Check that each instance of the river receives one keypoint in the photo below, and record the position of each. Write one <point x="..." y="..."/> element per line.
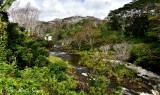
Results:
<point x="150" y="79"/>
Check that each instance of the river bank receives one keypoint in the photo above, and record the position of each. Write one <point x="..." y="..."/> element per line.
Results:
<point x="83" y="74"/>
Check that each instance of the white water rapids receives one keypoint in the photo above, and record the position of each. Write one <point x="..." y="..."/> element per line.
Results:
<point x="154" y="79"/>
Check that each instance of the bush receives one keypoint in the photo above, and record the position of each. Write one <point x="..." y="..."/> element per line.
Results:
<point x="23" y="50"/>
<point x="121" y="70"/>
<point x="38" y="80"/>
<point x="23" y="84"/>
<point x="57" y="68"/>
<point x="98" y="85"/>
<point x="122" y="51"/>
<point x="139" y="52"/>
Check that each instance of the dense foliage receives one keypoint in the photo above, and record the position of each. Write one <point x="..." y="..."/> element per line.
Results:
<point x="48" y="80"/>
<point x="3" y="26"/>
<point x="23" y="50"/>
<point x="25" y="66"/>
<point x="128" y="34"/>
<point x="138" y="21"/>
<point x="100" y="70"/>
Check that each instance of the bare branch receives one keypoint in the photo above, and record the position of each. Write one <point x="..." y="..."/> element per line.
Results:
<point x="122" y="51"/>
<point x="105" y="48"/>
<point x="26" y="17"/>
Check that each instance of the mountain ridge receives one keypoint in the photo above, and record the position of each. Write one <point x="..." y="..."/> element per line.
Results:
<point x="57" y="24"/>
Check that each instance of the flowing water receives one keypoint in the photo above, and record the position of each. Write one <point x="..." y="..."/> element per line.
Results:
<point x="152" y="79"/>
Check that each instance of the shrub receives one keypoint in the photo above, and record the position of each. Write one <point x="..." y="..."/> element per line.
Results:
<point x="121" y="70"/>
<point x="57" y="68"/>
<point x="122" y="51"/>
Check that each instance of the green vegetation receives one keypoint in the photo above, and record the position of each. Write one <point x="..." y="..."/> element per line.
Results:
<point x="140" y="28"/>
<point x="128" y="34"/>
<point x="101" y="72"/>
<point x="25" y="66"/>
<point x="136" y="25"/>
<point x="23" y="50"/>
<point x="97" y="64"/>
<point x="47" y="80"/>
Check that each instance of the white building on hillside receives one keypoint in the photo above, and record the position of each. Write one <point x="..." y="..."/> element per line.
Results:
<point x="48" y="37"/>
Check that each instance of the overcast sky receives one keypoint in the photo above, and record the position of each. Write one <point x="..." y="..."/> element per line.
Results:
<point x="51" y="9"/>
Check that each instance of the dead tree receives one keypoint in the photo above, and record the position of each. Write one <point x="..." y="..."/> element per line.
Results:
<point x="122" y="51"/>
<point x="26" y="17"/>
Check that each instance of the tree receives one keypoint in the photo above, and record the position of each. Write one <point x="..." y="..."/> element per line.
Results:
<point x="23" y="50"/>
<point x="138" y="27"/>
<point x="153" y="32"/>
<point x="79" y="38"/>
<point x="114" y="23"/>
<point x="3" y="25"/>
<point x="87" y="37"/>
<point x="132" y="18"/>
<point x="4" y="4"/>
<point x="26" y="17"/>
<point x="91" y="35"/>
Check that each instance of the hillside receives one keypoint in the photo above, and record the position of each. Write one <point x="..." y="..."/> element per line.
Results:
<point x="119" y="55"/>
<point x="65" y="23"/>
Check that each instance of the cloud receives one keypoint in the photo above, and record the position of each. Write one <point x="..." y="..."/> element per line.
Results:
<point x="51" y="9"/>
